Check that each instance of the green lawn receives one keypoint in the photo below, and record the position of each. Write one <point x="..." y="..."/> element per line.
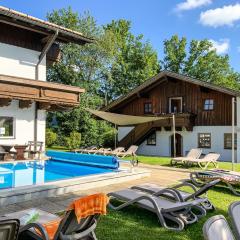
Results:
<point x="133" y="223"/>
<point x="165" y="161"/>
<point x="136" y="224"/>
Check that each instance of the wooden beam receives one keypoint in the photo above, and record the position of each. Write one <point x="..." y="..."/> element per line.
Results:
<point x="4" y="102"/>
<point x="25" y="104"/>
<point x="44" y="105"/>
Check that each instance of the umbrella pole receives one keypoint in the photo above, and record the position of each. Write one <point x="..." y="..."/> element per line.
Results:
<point x="174" y="136"/>
<point x="233" y="132"/>
<point x="115" y="140"/>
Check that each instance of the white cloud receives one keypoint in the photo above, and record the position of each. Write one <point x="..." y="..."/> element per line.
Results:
<point x="226" y="15"/>
<point x="221" y="46"/>
<point x="191" y="4"/>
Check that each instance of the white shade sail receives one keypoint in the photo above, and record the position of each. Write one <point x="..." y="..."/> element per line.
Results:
<point x="124" y="120"/>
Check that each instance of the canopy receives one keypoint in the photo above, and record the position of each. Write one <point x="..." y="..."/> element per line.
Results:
<point x="124" y="120"/>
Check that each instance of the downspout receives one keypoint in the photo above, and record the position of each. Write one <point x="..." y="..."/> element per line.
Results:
<point x="47" y="46"/>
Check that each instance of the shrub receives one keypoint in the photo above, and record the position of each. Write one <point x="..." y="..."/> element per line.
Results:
<point x="109" y="138"/>
<point x="74" y="140"/>
<point x="51" y="137"/>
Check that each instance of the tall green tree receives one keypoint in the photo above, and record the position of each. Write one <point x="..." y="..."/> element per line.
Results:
<point x="81" y="66"/>
<point x="133" y="62"/>
<point x="200" y="60"/>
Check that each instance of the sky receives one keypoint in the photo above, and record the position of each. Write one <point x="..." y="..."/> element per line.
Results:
<point x="158" y="20"/>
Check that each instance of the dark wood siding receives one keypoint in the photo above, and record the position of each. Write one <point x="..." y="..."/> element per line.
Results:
<point x="193" y="101"/>
<point x="27" y="39"/>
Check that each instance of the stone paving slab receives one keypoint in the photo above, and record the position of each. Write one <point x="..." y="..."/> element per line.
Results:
<point x="159" y="175"/>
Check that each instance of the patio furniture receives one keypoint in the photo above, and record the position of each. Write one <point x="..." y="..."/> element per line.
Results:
<point x="234" y="212"/>
<point x="79" y="221"/>
<point x="115" y="151"/>
<point x="217" y="228"/>
<point x="8" y="154"/>
<point x="210" y="158"/>
<point x="34" y="148"/>
<point x="130" y="152"/>
<point x="4" y="155"/>
<point x="185" y="196"/>
<point x="177" y="212"/>
<point x="230" y="178"/>
<point x="194" y="153"/>
<point x="20" y="149"/>
<point x="85" y="150"/>
<point x="9" y="228"/>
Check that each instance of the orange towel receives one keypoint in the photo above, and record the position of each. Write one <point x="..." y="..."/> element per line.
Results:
<point x="90" y="205"/>
<point x="83" y="207"/>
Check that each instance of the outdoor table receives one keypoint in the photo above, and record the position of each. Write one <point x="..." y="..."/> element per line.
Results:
<point x="19" y="150"/>
<point x="230" y="178"/>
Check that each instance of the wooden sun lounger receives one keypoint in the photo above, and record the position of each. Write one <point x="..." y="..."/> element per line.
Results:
<point x="130" y="152"/>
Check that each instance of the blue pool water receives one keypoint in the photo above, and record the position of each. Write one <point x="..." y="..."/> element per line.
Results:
<point x="38" y="172"/>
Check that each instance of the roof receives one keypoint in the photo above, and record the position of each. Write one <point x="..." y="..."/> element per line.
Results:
<point x="22" y="20"/>
<point x="181" y="77"/>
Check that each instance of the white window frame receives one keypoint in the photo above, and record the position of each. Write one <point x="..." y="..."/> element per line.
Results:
<point x="14" y="128"/>
<point x="170" y="103"/>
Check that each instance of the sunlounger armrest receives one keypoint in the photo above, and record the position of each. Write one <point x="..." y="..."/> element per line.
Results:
<point x="186" y="184"/>
<point x="37" y="226"/>
<point x="83" y="234"/>
<point x="177" y="196"/>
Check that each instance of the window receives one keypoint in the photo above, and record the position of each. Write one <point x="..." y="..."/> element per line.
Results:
<point x="6" y="127"/>
<point x="228" y="141"/>
<point x="204" y="140"/>
<point x="208" y="104"/>
<point x="152" y="139"/>
<point x="148" y="107"/>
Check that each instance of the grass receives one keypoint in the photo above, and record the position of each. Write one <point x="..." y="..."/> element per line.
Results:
<point x="136" y="224"/>
<point x="165" y="161"/>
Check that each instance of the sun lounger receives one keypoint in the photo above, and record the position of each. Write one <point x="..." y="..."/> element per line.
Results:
<point x="230" y="178"/>
<point x="85" y="150"/>
<point x="185" y="196"/>
<point x="78" y="223"/>
<point x="179" y="213"/>
<point x="193" y="154"/>
<point x="210" y="158"/>
<point x="130" y="152"/>
<point x="9" y="228"/>
<point x="234" y="212"/>
<point x="115" y="152"/>
<point x="217" y="228"/>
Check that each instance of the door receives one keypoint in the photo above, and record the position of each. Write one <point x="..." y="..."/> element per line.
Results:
<point x="175" y="105"/>
<point x="178" y="142"/>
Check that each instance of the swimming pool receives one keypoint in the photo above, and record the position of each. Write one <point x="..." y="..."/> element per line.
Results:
<point x="59" y="167"/>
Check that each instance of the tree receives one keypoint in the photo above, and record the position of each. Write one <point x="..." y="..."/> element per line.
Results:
<point x="133" y="62"/>
<point x="199" y="60"/>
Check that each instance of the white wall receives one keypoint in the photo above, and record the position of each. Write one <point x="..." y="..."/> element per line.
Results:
<point x="123" y="131"/>
<point x="20" y="62"/>
<point x="190" y="140"/>
<point x="24" y="124"/>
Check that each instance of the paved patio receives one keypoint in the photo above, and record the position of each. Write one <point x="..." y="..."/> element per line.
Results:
<point x="159" y="175"/>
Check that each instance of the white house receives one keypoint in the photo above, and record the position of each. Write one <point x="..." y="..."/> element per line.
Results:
<point x="27" y="47"/>
<point x="203" y="116"/>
